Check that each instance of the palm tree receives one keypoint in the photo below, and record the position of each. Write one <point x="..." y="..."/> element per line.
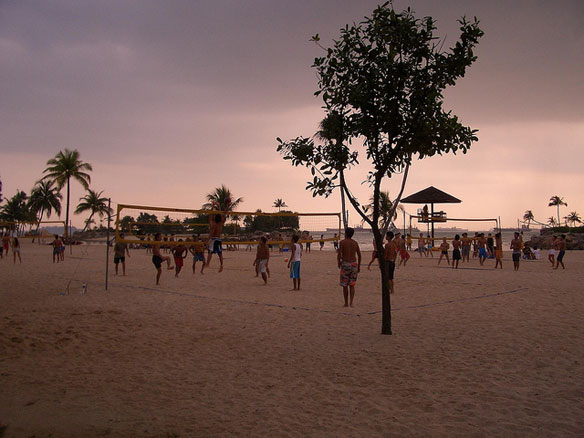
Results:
<point x="217" y="200"/>
<point x="279" y="204"/>
<point x="45" y="198"/>
<point x="16" y="210"/>
<point x="552" y="221"/>
<point x="573" y="218"/>
<point x="557" y="201"/>
<point x="64" y="166"/>
<point x="528" y="216"/>
<point x="385" y="209"/>
<point x="94" y="203"/>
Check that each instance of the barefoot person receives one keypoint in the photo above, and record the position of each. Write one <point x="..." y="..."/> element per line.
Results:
<point x="422" y="245"/>
<point x="157" y="259"/>
<point x="120" y="251"/>
<point x="552" y="251"/>
<point x="294" y="262"/>
<point x="498" y="251"/>
<point x="516" y="247"/>
<point x="6" y="243"/>
<point x="216" y="222"/>
<point x="456" y="256"/>
<point x="482" y="243"/>
<point x="198" y="252"/>
<point x="390" y="252"/>
<point x="56" y="244"/>
<point x="16" y="249"/>
<point x="179" y="253"/>
<point x="466" y="241"/>
<point x="444" y="246"/>
<point x="262" y="259"/>
<point x="562" y="247"/>
<point x="349" y="261"/>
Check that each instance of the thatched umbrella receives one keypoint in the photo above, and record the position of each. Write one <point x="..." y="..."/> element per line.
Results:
<point x="431" y="196"/>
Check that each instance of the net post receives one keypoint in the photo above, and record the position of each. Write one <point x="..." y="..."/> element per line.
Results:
<point x="109" y="219"/>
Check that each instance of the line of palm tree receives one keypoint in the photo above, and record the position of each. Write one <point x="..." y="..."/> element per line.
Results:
<point x="64" y="166"/>
<point x="94" y="203"/>
<point x="557" y="201"/>
<point x="44" y="198"/>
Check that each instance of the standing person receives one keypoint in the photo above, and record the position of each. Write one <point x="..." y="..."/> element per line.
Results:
<point x="498" y="251"/>
<point x="321" y="242"/>
<point x="308" y="239"/>
<point x="490" y="246"/>
<point x="157" y="259"/>
<point x="216" y="222"/>
<point x="562" y="248"/>
<point x="475" y="245"/>
<point x="552" y="251"/>
<point x="294" y="262"/>
<point x="429" y="250"/>
<point x="16" y="249"/>
<point x="466" y="241"/>
<point x="198" y="252"/>
<point x="444" y="246"/>
<point x="179" y="253"/>
<point x="373" y="255"/>
<point x="516" y="247"/>
<point x="404" y="255"/>
<point x="456" y="246"/>
<point x="482" y="242"/>
<point x="408" y="242"/>
<point x="390" y="252"/>
<point x="262" y="259"/>
<point x="62" y="248"/>
<point x="120" y="251"/>
<point x="349" y="262"/>
<point x="421" y="245"/>
<point x="56" y="244"/>
<point x="336" y="243"/>
<point x="6" y="243"/>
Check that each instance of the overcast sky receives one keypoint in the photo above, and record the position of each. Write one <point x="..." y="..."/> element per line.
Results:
<point x="169" y="99"/>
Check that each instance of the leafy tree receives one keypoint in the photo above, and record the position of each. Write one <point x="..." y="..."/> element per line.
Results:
<point x="552" y="221"/>
<point x="147" y="218"/>
<point x="279" y="204"/>
<point x="64" y="166"/>
<point x="16" y="210"/>
<point x="382" y="84"/>
<point x="125" y="223"/>
<point x="217" y="200"/>
<point x="574" y="218"/>
<point x="557" y="201"/>
<point x="387" y="212"/>
<point x="268" y="223"/>
<point x="44" y="197"/>
<point x="528" y="217"/>
<point x="94" y="203"/>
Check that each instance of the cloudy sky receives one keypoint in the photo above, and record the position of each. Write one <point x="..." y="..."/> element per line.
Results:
<point x="168" y="100"/>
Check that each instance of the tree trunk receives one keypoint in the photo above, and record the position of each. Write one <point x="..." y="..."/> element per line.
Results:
<point x="344" y="208"/>
<point x="385" y="298"/>
<point x="67" y="213"/>
<point x="87" y="223"/>
<point x="559" y="222"/>
<point x="39" y="224"/>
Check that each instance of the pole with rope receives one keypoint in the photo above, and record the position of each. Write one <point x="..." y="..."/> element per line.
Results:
<point x="109" y="218"/>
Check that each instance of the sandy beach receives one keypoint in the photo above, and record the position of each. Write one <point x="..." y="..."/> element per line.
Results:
<point x="475" y="352"/>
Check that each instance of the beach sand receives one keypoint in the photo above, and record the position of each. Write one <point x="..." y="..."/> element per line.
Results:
<point x="475" y="352"/>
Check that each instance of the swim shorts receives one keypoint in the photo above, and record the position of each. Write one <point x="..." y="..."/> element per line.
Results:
<point x="118" y="259"/>
<point x="199" y="257"/>
<point x="456" y="254"/>
<point x="157" y="260"/>
<point x="404" y="255"/>
<point x="390" y="264"/>
<point x="483" y="253"/>
<point x="295" y="270"/>
<point x="349" y="271"/>
<point x="215" y="246"/>
<point x="263" y="266"/>
<point x="516" y="255"/>
<point x="179" y="261"/>
<point x="552" y="252"/>
<point x="561" y="255"/>
<point x="465" y="250"/>
<point x="499" y="254"/>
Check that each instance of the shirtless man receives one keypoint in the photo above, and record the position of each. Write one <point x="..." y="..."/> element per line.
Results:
<point x="373" y="255"/>
<point x="444" y="246"/>
<point x="516" y="247"/>
<point x="198" y="252"/>
<point x="456" y="247"/>
<point x="466" y="241"/>
<point x="179" y="253"/>
<point x="349" y="262"/>
<point x="390" y="252"/>
<point x="216" y="222"/>
<point x="157" y="259"/>
<point x="56" y="244"/>
<point x="6" y="243"/>
<point x="498" y="251"/>
<point x="120" y="251"/>
<point x="422" y="245"/>
<point x="482" y="243"/>
<point x="262" y="259"/>
<point x="561" y="245"/>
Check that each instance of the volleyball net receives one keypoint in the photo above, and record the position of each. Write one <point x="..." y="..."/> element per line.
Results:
<point x="139" y="224"/>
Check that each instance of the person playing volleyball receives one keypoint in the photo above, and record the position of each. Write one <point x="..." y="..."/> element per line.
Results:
<point x="216" y="222"/>
<point x="157" y="259"/>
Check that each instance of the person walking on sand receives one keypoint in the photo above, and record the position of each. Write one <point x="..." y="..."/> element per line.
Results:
<point x="16" y="249"/>
<point x="262" y="259"/>
<point x="6" y="243"/>
<point x="294" y="262"/>
<point x="349" y="262"/>
<point x="157" y="259"/>
<point x="552" y="251"/>
<point x="498" y="251"/>
<point x="216" y="222"/>
<point x="390" y="252"/>
<point x="444" y="246"/>
<point x="456" y="246"/>
<point x="516" y="247"/>
<point x="404" y="255"/>
<point x="562" y="248"/>
<point x="429" y="247"/>
<point x="120" y="251"/>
